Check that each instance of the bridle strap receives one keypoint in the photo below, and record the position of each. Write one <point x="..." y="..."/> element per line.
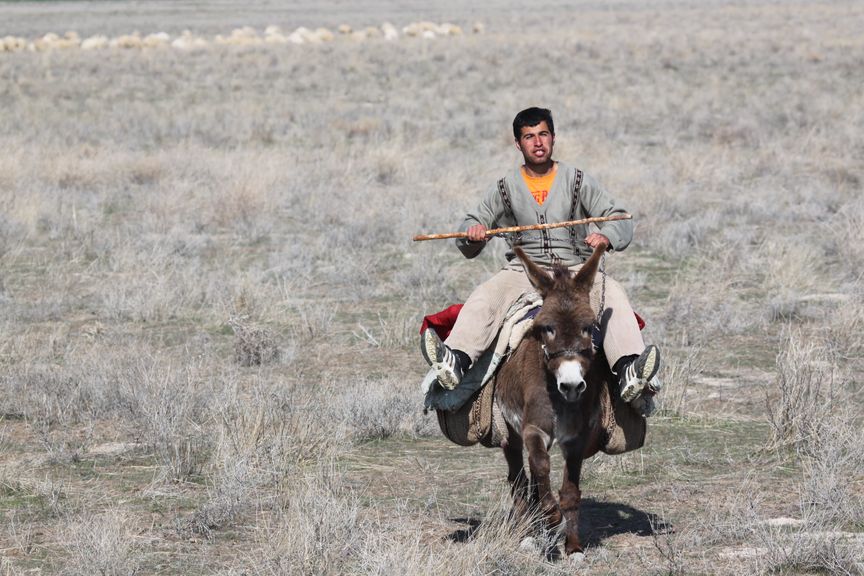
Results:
<point x="558" y="353"/>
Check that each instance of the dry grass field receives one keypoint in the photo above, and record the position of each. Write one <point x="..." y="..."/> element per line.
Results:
<point x="209" y="297"/>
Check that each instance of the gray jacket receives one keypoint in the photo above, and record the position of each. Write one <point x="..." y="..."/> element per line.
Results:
<point x="544" y="246"/>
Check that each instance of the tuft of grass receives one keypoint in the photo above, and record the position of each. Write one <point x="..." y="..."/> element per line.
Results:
<point x="805" y="393"/>
<point x="392" y="330"/>
<point x="172" y="406"/>
<point x="680" y="372"/>
<point x="316" y="529"/>
<point x="103" y="544"/>
<point x="375" y="409"/>
<point x="253" y="345"/>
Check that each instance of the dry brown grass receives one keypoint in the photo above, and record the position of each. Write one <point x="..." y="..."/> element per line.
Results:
<point x="209" y="297"/>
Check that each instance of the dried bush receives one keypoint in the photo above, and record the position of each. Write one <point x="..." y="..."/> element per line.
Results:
<point x="253" y="345"/>
<point x="832" y="465"/>
<point x="679" y="373"/>
<point x="173" y="406"/>
<point x="103" y="544"/>
<point x="392" y="330"/>
<point x="804" y="396"/>
<point x="315" y="530"/>
<point x="229" y="495"/>
<point x="373" y="409"/>
<point x="807" y="552"/>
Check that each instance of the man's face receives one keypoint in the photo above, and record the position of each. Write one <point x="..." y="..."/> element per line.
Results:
<point x="536" y="143"/>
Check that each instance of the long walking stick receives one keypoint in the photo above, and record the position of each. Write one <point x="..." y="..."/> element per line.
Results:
<point x="511" y="229"/>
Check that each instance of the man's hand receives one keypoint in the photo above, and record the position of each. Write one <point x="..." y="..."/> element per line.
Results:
<point x="595" y="240"/>
<point x="477" y="233"/>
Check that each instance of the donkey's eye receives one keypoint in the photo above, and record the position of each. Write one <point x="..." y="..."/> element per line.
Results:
<point x="547" y="330"/>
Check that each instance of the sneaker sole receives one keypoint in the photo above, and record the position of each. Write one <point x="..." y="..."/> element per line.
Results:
<point x="432" y="350"/>
<point x="446" y="377"/>
<point x="645" y="369"/>
<point x="651" y="364"/>
<point x="632" y="390"/>
<point x="430" y="347"/>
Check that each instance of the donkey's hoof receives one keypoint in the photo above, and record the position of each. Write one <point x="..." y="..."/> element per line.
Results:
<point x="576" y="558"/>
<point x="529" y="545"/>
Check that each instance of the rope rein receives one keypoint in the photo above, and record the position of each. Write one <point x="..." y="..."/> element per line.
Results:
<point x="602" y="290"/>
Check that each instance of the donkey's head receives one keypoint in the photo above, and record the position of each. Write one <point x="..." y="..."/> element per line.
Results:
<point x="565" y="324"/>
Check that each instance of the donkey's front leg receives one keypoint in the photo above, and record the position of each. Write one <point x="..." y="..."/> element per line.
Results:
<point x="516" y="473"/>
<point x="571" y="495"/>
<point x="536" y="441"/>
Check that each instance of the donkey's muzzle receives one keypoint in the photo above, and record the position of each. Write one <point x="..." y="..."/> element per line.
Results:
<point x="571" y="381"/>
<point x="571" y="391"/>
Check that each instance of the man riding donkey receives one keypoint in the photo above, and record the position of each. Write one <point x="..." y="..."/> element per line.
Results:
<point x="544" y="191"/>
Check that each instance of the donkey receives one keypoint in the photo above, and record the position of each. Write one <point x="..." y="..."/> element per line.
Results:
<point x="549" y="390"/>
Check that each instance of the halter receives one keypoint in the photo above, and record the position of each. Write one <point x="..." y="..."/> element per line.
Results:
<point x="602" y="291"/>
<point x="597" y="321"/>
<point x="558" y="353"/>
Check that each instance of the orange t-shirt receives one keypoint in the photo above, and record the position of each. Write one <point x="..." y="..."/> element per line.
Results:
<point x="539" y="186"/>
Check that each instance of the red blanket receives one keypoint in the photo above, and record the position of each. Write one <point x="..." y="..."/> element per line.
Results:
<point x="442" y="322"/>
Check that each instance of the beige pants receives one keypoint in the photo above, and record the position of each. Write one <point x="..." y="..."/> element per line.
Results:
<point x="483" y="314"/>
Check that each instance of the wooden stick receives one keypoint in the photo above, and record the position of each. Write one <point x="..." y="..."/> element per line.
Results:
<point x="512" y="229"/>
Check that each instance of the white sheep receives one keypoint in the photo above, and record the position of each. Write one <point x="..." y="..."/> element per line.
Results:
<point x="12" y="44"/>
<point x="390" y="32"/>
<point x="188" y="41"/>
<point x="448" y="29"/>
<point x="246" y="36"/>
<point x="69" y="40"/>
<point x="244" y="32"/>
<point x="97" y="42"/>
<point x="156" y="40"/>
<point x="412" y="30"/>
<point x="324" y="34"/>
<point x="43" y="43"/>
<point x="126" y="41"/>
<point x="276" y="38"/>
<point x="303" y="35"/>
<point x="344" y="29"/>
<point x="274" y="35"/>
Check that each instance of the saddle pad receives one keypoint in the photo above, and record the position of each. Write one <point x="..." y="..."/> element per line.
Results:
<point x="468" y="414"/>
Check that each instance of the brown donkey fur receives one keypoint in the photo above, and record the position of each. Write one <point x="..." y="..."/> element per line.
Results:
<point x="549" y="390"/>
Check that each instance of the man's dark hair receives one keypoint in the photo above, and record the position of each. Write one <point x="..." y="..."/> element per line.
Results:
<point x="532" y="117"/>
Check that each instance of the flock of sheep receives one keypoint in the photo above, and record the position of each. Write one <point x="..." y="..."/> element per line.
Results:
<point x="245" y="36"/>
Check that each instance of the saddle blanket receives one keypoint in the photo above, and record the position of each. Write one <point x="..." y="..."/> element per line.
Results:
<point x="517" y="322"/>
<point x="469" y="414"/>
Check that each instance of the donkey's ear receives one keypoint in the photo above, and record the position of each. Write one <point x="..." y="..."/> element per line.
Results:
<point x="584" y="279"/>
<point x="538" y="277"/>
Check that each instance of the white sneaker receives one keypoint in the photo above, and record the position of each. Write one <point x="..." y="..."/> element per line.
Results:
<point x="443" y="361"/>
<point x="430" y="378"/>
<point x="638" y="374"/>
